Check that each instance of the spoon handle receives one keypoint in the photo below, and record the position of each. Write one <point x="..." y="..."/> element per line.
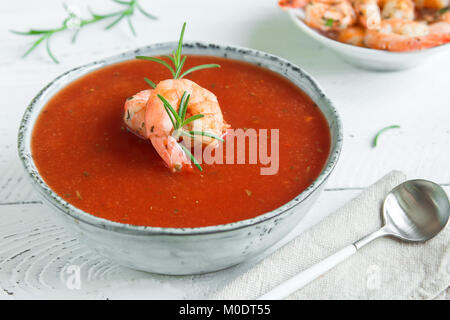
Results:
<point x="300" y="280"/>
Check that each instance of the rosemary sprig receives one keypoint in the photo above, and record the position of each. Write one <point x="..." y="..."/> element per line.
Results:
<point x="329" y="22"/>
<point x="177" y="60"/>
<point x="444" y="10"/>
<point x="150" y="83"/>
<point x="179" y="120"/>
<point x="73" y="21"/>
<point x="375" y="140"/>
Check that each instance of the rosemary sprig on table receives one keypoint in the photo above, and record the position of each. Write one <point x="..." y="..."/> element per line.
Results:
<point x="375" y="140"/>
<point x="177" y="61"/>
<point x="73" y="21"/>
<point x="179" y="120"/>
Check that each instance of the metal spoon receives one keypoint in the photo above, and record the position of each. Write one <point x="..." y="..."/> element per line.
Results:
<point x="416" y="210"/>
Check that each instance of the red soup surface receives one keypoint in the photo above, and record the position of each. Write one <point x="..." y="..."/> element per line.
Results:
<point x="85" y="154"/>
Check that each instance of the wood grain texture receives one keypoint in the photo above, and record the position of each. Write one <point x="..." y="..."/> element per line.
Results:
<point x="36" y="256"/>
<point x="35" y="252"/>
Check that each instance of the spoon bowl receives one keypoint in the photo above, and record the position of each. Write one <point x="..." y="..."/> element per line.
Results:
<point x="416" y="210"/>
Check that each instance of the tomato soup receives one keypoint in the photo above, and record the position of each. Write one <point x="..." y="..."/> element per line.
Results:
<point x="85" y="154"/>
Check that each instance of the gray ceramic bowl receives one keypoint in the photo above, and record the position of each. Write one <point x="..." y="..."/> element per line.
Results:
<point x="183" y="250"/>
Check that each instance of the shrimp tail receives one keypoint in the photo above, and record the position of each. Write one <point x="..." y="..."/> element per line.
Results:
<point x="403" y="35"/>
<point x="172" y="154"/>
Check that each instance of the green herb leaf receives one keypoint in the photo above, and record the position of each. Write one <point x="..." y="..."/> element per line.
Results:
<point x="186" y="103"/>
<point x="45" y="34"/>
<point x="206" y="134"/>
<point x="177" y="122"/>
<point x="150" y="83"/>
<point x="174" y="123"/>
<point x="180" y="44"/>
<point x="96" y="17"/>
<point x="122" y="2"/>
<point x="193" y="118"/>
<point x="375" y="140"/>
<point x="75" y="35"/>
<point x="115" y="22"/>
<point x="187" y="134"/>
<point x="35" y="45"/>
<point x="130" y="24"/>
<point x="189" y="154"/>
<point x="177" y="60"/>
<point x="29" y="33"/>
<point x="49" y="51"/>
<point x="444" y="10"/>
<point x="161" y="61"/>
<point x="177" y="74"/>
<point x="183" y="105"/>
<point x="329" y="22"/>
<point x="170" y="58"/>
<point x="145" y="13"/>
<point x="200" y="67"/>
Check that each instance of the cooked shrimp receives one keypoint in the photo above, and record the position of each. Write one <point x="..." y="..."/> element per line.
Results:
<point x="404" y="35"/>
<point x="134" y="115"/>
<point x="442" y="29"/>
<point x="159" y="127"/>
<point x="445" y="16"/>
<point x="352" y="35"/>
<point x="398" y="9"/>
<point x="292" y="3"/>
<point x="432" y="4"/>
<point x="335" y="16"/>
<point x="368" y="13"/>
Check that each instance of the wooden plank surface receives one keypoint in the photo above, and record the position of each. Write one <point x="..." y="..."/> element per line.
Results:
<point x="35" y="252"/>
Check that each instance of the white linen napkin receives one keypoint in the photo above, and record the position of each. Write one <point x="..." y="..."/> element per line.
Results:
<point x="385" y="269"/>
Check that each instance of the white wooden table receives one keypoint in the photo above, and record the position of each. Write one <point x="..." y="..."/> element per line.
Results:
<point x="35" y="252"/>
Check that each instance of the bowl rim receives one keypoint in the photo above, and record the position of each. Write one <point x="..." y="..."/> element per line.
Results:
<point x="27" y="126"/>
<point x="362" y="50"/>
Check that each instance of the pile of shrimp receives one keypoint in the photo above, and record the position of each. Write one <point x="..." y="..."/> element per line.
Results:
<point x="392" y="25"/>
<point x="146" y="117"/>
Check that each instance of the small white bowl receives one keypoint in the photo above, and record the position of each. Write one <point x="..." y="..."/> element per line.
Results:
<point x="366" y="58"/>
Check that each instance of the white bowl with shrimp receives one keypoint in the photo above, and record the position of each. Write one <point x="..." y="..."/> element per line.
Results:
<point x="366" y="58"/>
